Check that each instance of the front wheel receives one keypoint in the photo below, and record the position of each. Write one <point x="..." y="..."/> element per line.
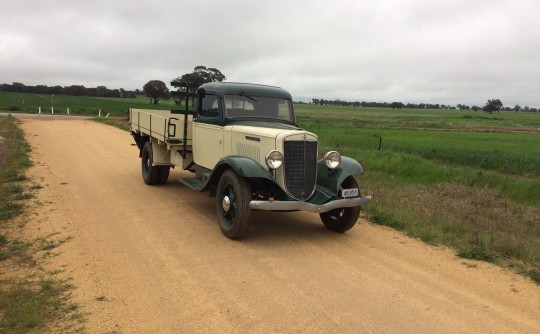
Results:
<point x="342" y="219"/>
<point x="232" y="205"/>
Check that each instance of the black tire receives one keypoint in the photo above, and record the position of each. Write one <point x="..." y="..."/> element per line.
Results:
<point x="343" y="219"/>
<point x="163" y="174"/>
<point x="232" y="205"/>
<point x="150" y="173"/>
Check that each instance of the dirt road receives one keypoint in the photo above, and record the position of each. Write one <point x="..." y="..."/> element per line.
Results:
<point x="153" y="260"/>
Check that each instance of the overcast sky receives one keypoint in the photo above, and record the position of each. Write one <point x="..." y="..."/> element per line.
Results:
<point x="448" y="52"/>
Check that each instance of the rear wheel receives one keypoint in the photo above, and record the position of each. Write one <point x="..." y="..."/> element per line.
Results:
<point x="232" y="204"/>
<point x="163" y="174"/>
<point x="342" y="219"/>
<point x="150" y="173"/>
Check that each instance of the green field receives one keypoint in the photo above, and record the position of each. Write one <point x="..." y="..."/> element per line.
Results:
<point x="78" y="105"/>
<point x="464" y="179"/>
<point x="441" y="119"/>
<point x="424" y="156"/>
<point x="468" y="180"/>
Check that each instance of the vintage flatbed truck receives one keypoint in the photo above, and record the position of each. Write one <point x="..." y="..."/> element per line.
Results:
<point x="244" y="146"/>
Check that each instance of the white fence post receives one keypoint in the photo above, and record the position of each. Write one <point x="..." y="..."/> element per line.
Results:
<point x="39" y="110"/>
<point x="107" y="115"/>
<point x="68" y="111"/>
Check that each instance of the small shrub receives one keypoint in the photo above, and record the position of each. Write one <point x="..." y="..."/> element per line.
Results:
<point x="23" y="196"/>
<point x="534" y="274"/>
<point x="10" y="210"/>
<point x="15" y="177"/>
<point x="14" y="189"/>
<point x="17" y="247"/>
<point x="4" y="255"/>
<point x="476" y="252"/>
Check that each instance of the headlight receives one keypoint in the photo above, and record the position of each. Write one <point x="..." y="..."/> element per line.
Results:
<point x="332" y="159"/>
<point x="274" y="159"/>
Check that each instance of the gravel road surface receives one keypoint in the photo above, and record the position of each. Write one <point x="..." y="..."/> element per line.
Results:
<point x="152" y="259"/>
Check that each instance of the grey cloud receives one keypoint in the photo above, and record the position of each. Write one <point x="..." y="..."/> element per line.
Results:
<point x="414" y="51"/>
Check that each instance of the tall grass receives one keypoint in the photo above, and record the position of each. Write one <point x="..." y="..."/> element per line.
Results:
<point x="13" y="160"/>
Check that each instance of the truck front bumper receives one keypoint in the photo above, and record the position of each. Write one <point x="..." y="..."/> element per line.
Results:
<point x="309" y="207"/>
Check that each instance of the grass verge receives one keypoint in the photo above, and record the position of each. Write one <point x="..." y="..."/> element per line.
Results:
<point x="478" y="223"/>
<point x="31" y="300"/>
<point x="118" y="122"/>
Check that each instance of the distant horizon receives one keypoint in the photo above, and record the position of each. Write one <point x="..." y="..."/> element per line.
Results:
<point x="300" y="99"/>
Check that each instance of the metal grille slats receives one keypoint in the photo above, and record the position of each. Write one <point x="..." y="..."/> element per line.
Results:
<point x="249" y="150"/>
<point x="300" y="168"/>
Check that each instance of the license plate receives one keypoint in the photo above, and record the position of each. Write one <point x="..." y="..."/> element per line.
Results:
<point x="346" y="193"/>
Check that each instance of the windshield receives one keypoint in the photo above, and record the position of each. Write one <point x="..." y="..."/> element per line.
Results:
<point x="245" y="106"/>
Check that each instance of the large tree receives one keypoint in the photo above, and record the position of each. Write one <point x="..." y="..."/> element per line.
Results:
<point x="201" y="75"/>
<point x="156" y="90"/>
<point x="493" y="105"/>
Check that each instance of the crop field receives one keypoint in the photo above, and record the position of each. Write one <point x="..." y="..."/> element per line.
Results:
<point x="424" y="155"/>
<point x="464" y="179"/>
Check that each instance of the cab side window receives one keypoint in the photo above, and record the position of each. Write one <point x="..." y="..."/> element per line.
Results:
<point x="209" y="106"/>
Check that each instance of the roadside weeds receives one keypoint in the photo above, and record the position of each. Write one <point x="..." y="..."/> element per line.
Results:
<point x="476" y="222"/>
<point x="31" y="298"/>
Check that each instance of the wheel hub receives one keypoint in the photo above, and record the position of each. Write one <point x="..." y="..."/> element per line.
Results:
<point x="226" y="204"/>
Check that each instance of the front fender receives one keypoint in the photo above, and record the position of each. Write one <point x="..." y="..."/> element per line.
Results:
<point x="242" y="166"/>
<point x="331" y="179"/>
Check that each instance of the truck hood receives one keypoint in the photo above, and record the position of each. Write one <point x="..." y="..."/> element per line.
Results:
<point x="267" y="130"/>
<point x="256" y="140"/>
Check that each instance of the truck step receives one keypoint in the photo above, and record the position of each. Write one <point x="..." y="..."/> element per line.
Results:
<point x="193" y="183"/>
<point x="205" y="177"/>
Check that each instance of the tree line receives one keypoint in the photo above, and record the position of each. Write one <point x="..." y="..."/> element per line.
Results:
<point x="491" y="105"/>
<point x="73" y="90"/>
<point x="157" y="89"/>
<point x="393" y="105"/>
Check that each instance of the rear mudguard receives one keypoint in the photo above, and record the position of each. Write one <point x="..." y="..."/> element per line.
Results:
<point x="140" y="141"/>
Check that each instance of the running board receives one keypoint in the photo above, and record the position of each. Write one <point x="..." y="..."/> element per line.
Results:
<point x="196" y="183"/>
<point x="193" y="183"/>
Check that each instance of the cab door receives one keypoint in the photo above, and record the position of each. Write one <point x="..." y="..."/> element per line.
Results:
<point x="208" y="131"/>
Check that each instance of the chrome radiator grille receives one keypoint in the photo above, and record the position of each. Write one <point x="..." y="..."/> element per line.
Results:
<point x="300" y="168"/>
